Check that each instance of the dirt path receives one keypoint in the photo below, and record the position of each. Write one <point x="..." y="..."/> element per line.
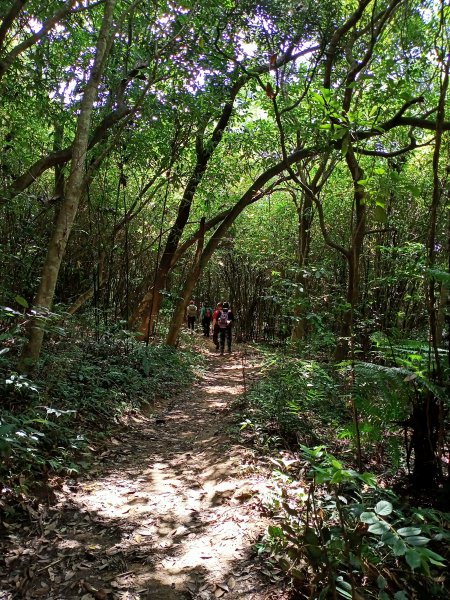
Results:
<point x="172" y="512"/>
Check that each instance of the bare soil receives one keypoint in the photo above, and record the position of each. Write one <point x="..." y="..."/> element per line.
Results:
<point x="172" y="510"/>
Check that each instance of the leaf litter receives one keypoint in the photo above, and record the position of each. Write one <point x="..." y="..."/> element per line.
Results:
<point x="171" y="511"/>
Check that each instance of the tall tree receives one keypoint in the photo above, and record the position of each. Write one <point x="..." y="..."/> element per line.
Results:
<point x="73" y="190"/>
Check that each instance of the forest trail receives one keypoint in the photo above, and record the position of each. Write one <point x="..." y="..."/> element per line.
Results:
<point x="172" y="510"/>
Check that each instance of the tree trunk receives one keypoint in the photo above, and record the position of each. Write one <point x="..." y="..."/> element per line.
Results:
<point x="145" y="315"/>
<point x="353" y="257"/>
<point x="69" y="206"/>
<point x="304" y="240"/>
<point x="425" y="424"/>
<point x="178" y="315"/>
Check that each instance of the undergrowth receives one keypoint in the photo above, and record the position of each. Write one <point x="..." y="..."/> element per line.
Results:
<point x="79" y="392"/>
<point x="337" y="533"/>
<point x="295" y="400"/>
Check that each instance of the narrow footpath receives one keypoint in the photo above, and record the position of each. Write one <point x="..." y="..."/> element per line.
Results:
<point x="172" y="510"/>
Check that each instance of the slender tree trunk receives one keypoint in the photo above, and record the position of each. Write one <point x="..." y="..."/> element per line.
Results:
<point x="353" y="257"/>
<point x="101" y="274"/>
<point x="304" y="240"/>
<point x="69" y="206"/>
<point x="145" y="315"/>
<point x="178" y="315"/>
<point x="441" y="312"/>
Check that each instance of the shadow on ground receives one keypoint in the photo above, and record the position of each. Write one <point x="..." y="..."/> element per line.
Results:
<point x="172" y="510"/>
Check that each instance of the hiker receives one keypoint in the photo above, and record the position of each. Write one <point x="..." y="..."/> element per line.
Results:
<point x="205" y="317"/>
<point x="225" y="321"/>
<point x="215" y="325"/>
<point x="191" y="313"/>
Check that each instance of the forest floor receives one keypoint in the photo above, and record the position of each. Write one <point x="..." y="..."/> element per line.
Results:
<point x="172" y="509"/>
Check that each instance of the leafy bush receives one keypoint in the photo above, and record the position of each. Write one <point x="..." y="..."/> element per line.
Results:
<point x="297" y="399"/>
<point x="386" y="392"/>
<point x="78" y="394"/>
<point x="337" y="534"/>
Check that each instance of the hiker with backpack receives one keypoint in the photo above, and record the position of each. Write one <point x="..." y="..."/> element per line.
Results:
<point x="215" y="325"/>
<point x="205" y="317"/>
<point x="191" y="314"/>
<point x="224" y="321"/>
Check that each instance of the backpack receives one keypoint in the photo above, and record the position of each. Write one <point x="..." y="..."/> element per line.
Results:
<point x="191" y="310"/>
<point x="223" y="321"/>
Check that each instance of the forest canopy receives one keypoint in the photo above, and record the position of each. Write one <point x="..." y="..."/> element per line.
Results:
<point x="292" y="158"/>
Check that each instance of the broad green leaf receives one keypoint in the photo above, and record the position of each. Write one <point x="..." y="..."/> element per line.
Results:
<point x="344" y="148"/>
<point x="417" y="540"/>
<point x="399" y="548"/>
<point x="413" y="559"/>
<point x="406" y="531"/>
<point x="20" y="300"/>
<point x="368" y="517"/>
<point x="401" y="595"/>
<point x="432" y="555"/>
<point x="383" y="508"/>
<point x="380" y="214"/>
<point x="379" y="528"/>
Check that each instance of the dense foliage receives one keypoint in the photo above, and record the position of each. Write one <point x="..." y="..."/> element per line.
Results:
<point x="293" y="159"/>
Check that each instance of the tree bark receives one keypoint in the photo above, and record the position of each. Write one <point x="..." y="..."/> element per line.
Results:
<point x="354" y="254"/>
<point x="178" y="315"/>
<point x="145" y="315"/>
<point x="69" y="207"/>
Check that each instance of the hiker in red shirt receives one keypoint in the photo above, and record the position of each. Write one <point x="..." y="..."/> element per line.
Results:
<point x="215" y="325"/>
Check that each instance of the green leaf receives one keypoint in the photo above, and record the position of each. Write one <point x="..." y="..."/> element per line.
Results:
<point x="379" y="528"/>
<point x="434" y="557"/>
<point x="380" y="214"/>
<point x="275" y="532"/>
<point x="368" y="517"/>
<point x="383" y="508"/>
<point x="326" y="92"/>
<point x="417" y="540"/>
<point x="413" y="559"/>
<point x="401" y="595"/>
<point x="406" y="531"/>
<point x="381" y="582"/>
<point x="318" y="98"/>
<point x="20" y="300"/>
<point x="399" y="548"/>
<point x="344" y="148"/>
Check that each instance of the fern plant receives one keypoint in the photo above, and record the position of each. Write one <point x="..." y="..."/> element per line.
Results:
<point x="400" y="406"/>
